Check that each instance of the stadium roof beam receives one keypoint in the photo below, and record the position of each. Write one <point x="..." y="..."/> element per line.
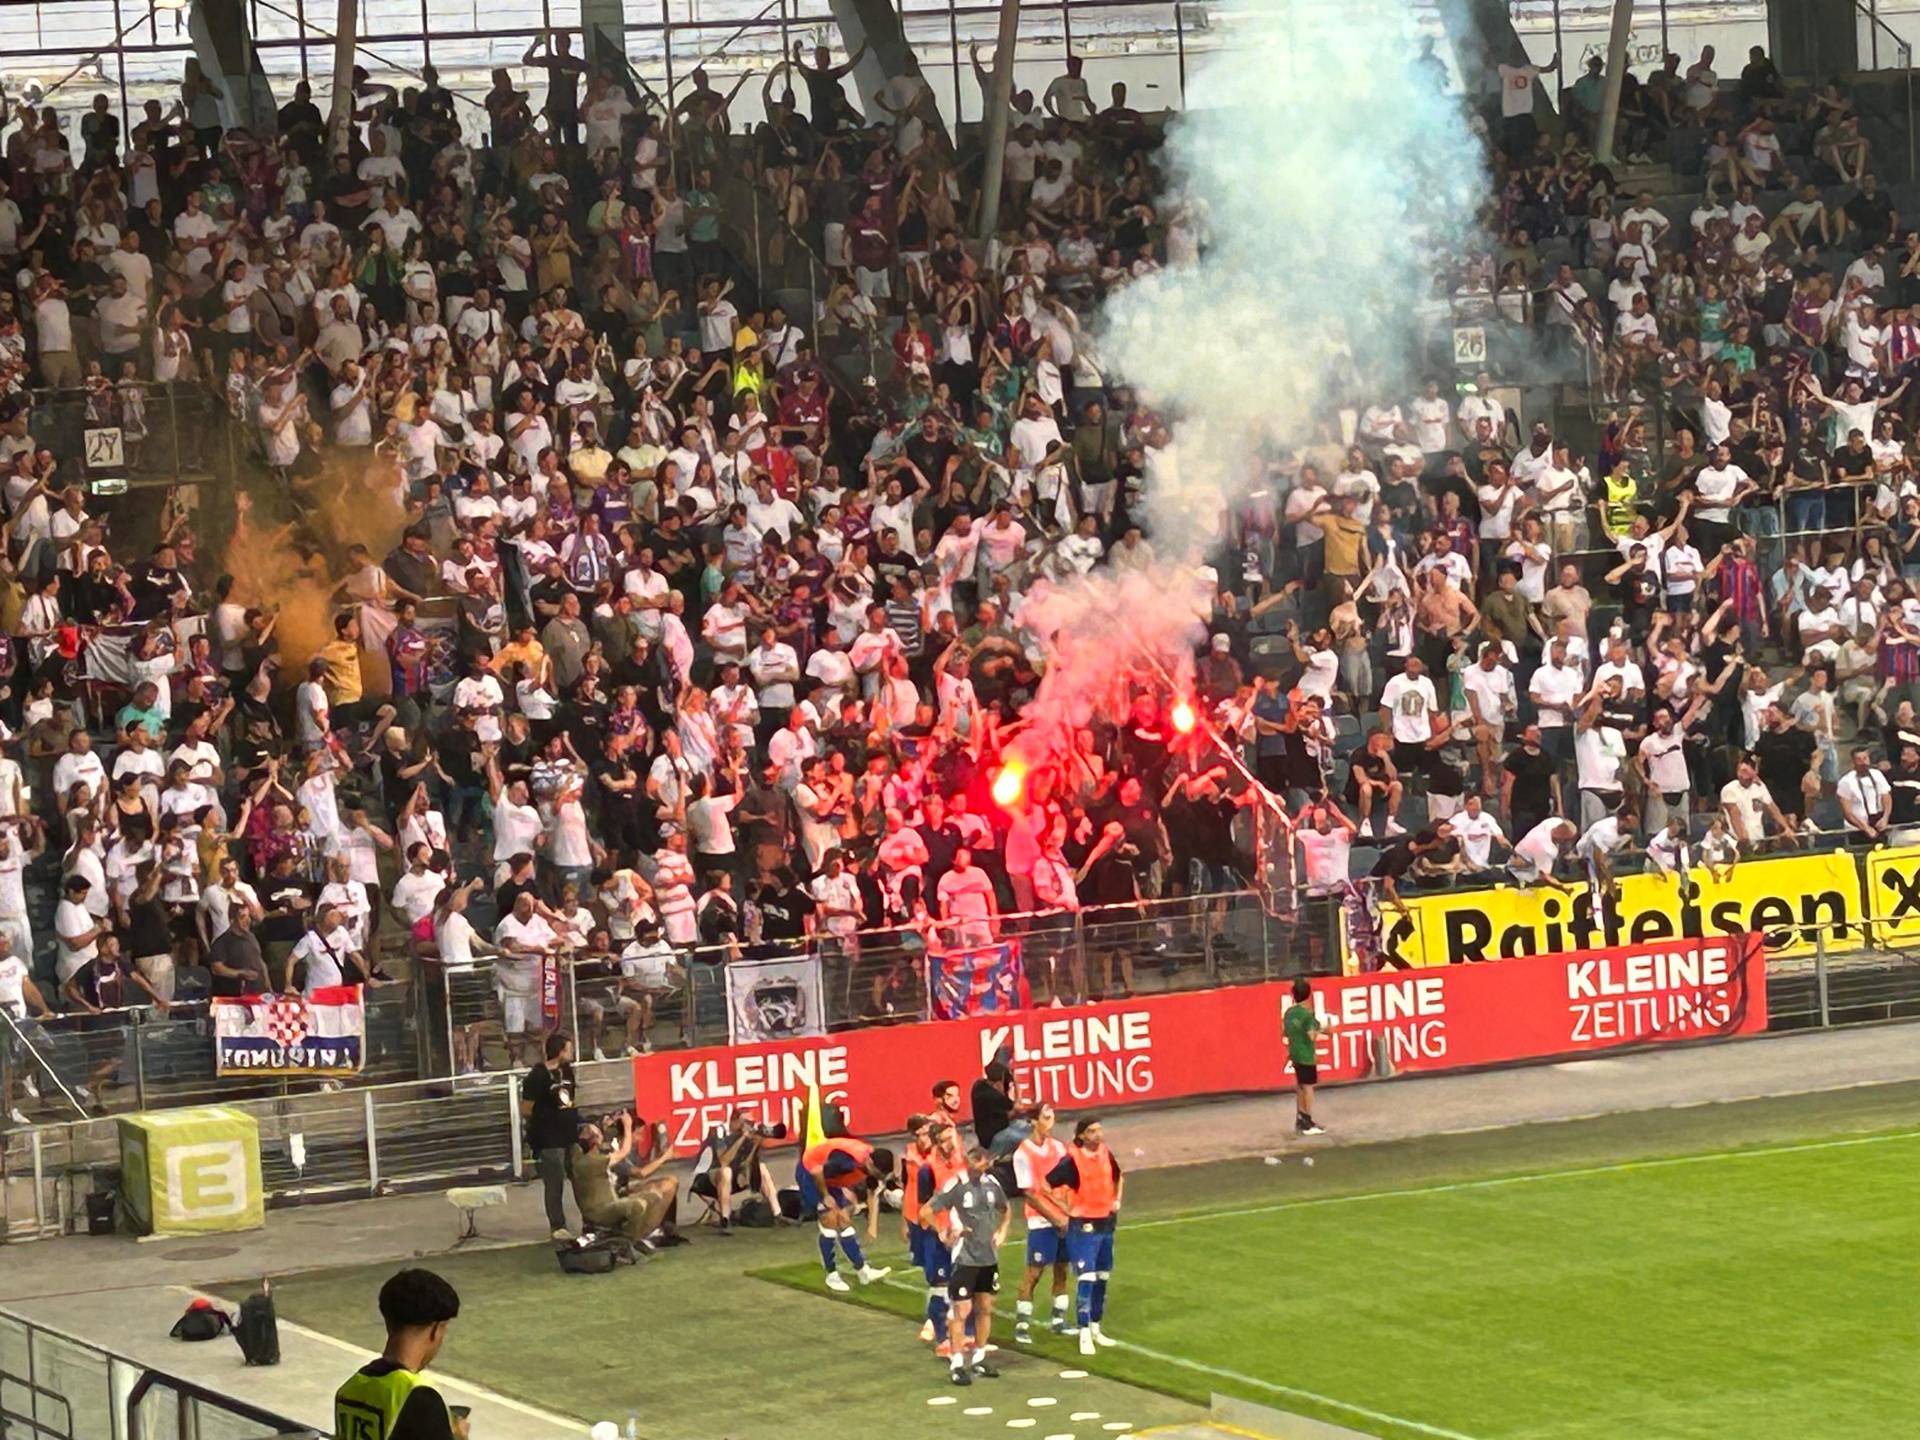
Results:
<point x="224" y="50"/>
<point x="876" y="24"/>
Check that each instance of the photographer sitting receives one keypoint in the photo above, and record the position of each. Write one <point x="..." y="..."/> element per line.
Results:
<point x="729" y="1164"/>
<point x="649" y="1200"/>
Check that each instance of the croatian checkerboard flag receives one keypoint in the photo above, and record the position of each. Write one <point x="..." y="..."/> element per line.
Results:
<point x="990" y="980"/>
<point x="319" y="1034"/>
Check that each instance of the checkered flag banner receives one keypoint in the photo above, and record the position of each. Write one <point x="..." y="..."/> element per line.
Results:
<point x="323" y="1033"/>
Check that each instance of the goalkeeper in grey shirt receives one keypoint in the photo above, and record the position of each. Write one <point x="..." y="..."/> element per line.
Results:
<point x="971" y="1213"/>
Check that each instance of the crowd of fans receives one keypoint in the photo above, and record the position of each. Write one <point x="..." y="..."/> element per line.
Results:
<point x="702" y="636"/>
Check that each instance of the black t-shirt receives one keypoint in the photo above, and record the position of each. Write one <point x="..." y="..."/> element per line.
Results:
<point x="1871" y="213"/>
<point x="941" y="842"/>
<point x="991" y="1110"/>
<point x="460" y="755"/>
<point x="347" y="217"/>
<point x="553" y="1124"/>
<point x="1784" y="756"/>
<point x="1906" y="796"/>
<point x="1394" y="864"/>
<point x="237" y="950"/>
<point x="1854" y="464"/>
<point x="284" y="929"/>
<point x="425" y="1415"/>
<point x="783" y="914"/>
<point x="1638" y="590"/>
<point x="508" y="894"/>
<point x="1532" y="781"/>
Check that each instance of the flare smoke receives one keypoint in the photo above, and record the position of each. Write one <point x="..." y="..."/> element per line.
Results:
<point x="1329" y="179"/>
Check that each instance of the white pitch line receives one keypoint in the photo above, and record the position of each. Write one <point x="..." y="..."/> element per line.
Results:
<point x="1267" y="1385"/>
<point x="1531" y="1178"/>
<point x="444" y="1380"/>
<point x="1377" y="1417"/>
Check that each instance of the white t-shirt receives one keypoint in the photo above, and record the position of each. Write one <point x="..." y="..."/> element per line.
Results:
<point x="414" y="895"/>
<point x="1326" y="857"/>
<point x="1597" y="753"/>
<point x="69" y="920"/>
<point x="1715" y="486"/>
<point x="1492" y="689"/>
<point x="13" y="986"/>
<point x="1476" y="834"/>
<point x="1538" y="850"/>
<point x="1516" y="89"/>
<point x="1864" y="792"/>
<point x="516" y="829"/>
<point x="645" y="964"/>
<point x="323" y="955"/>
<point x="1666" y="760"/>
<point x="1411" y="703"/>
<point x="1749" y="802"/>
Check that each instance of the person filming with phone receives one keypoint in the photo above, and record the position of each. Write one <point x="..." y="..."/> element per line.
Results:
<point x="648" y="1201"/>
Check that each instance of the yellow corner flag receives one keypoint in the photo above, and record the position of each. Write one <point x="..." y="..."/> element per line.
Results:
<point x="816" y="1119"/>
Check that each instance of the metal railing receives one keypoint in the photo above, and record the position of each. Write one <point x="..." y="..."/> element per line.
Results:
<point x="878" y="977"/>
<point x="430" y="1134"/>
<point x="142" y="1057"/>
<point x="56" y="1387"/>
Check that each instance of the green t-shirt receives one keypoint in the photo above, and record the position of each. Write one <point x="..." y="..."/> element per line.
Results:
<point x="1300" y="1025"/>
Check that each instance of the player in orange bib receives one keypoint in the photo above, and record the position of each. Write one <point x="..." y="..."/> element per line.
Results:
<point x="917" y="1236"/>
<point x="832" y="1175"/>
<point x="944" y="1162"/>
<point x="1093" y="1177"/>
<point x="1046" y="1207"/>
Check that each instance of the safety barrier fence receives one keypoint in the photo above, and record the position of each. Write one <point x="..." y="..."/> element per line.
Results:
<point x="431" y="1133"/>
<point x="56" y="1387"/>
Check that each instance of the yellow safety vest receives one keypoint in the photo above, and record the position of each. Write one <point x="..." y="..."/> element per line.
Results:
<point x="368" y="1407"/>
<point x="1621" y="497"/>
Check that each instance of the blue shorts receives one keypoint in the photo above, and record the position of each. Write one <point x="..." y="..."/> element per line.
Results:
<point x="1044" y="1244"/>
<point x="916" y="1243"/>
<point x="810" y="1196"/>
<point x="1089" y="1249"/>
<point x="935" y="1260"/>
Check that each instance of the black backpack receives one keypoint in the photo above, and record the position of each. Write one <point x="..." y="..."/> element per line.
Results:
<point x="257" y="1330"/>
<point x="204" y="1320"/>
<point x="754" y="1213"/>
<point x="596" y="1255"/>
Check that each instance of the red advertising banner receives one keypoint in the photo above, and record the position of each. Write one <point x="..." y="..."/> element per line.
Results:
<point x="1215" y="1042"/>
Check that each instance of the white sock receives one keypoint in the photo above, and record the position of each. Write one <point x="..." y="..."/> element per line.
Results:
<point x="978" y="1356"/>
<point x="1023" y="1308"/>
<point x="1060" y="1303"/>
<point x="957" y="1360"/>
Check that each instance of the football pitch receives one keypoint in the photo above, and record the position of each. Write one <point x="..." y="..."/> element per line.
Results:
<point x="1741" y="1269"/>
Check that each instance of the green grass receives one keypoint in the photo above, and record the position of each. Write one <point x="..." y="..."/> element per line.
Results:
<point x="1719" y="1271"/>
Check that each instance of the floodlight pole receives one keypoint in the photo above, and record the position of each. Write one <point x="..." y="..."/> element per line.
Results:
<point x="346" y="27"/>
<point x="1616" y="69"/>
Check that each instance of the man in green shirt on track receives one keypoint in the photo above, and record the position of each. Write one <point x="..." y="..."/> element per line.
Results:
<point x="1302" y="1026"/>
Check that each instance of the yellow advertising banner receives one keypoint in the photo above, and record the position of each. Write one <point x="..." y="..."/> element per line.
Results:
<point x="1893" y="895"/>
<point x="1789" y="899"/>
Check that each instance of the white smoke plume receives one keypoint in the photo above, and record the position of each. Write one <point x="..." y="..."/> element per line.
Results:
<point x="1330" y="179"/>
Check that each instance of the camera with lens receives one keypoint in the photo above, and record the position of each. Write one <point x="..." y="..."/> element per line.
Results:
<point x="776" y="1131"/>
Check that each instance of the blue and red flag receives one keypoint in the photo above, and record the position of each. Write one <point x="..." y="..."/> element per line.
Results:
<point x="987" y="980"/>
